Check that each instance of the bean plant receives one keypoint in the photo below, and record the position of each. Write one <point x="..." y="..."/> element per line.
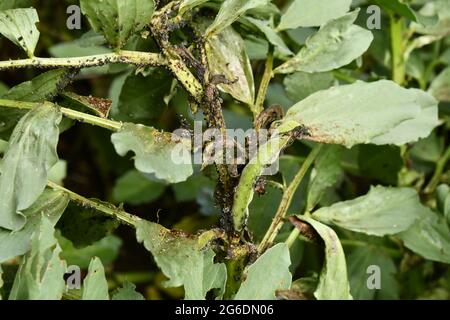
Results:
<point x="347" y="197"/>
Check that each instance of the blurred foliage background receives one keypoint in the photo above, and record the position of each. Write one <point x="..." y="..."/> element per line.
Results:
<point x="92" y="168"/>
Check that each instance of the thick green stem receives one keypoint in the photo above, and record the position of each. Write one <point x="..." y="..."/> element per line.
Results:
<point x="68" y="113"/>
<point x="440" y="167"/>
<point x="286" y="201"/>
<point x="131" y="57"/>
<point x="398" y="49"/>
<point x="265" y="81"/>
<point x="109" y="210"/>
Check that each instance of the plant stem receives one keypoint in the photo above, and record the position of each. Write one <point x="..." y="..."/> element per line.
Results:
<point x="108" y="210"/>
<point x="265" y="81"/>
<point x="292" y="237"/>
<point x="131" y="57"/>
<point x="286" y="201"/>
<point x="69" y="113"/>
<point x="397" y="48"/>
<point x="440" y="167"/>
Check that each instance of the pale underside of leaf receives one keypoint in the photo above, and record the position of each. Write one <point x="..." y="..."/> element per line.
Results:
<point x="183" y="260"/>
<point x="19" y="26"/>
<point x="312" y="13"/>
<point x="336" y="44"/>
<point x="163" y="154"/>
<point x="358" y="114"/>
<point x="51" y="204"/>
<point x="333" y="282"/>
<point x="227" y="56"/>
<point x="31" y="153"/>
<point x="95" y="286"/>
<point x="269" y="273"/>
<point x="41" y="273"/>
<point x="383" y="211"/>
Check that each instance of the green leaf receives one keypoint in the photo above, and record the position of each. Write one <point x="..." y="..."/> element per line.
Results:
<point x="351" y="114"/>
<point x="84" y="226"/>
<point x="50" y="204"/>
<point x="327" y="173"/>
<point x="312" y="13"/>
<point x="230" y="11"/>
<point x="358" y="262"/>
<point x="429" y="237"/>
<point x="31" y="153"/>
<point x="127" y="292"/>
<point x="183" y="259"/>
<point x="95" y="286"/>
<point x="107" y="249"/>
<point x="19" y="26"/>
<point x="142" y="98"/>
<point x="134" y="188"/>
<point x="383" y="211"/>
<point x="300" y="85"/>
<point x="41" y="273"/>
<point x="440" y="87"/>
<point x="118" y="20"/>
<point x="227" y="56"/>
<point x="333" y="282"/>
<point x="398" y="7"/>
<point x="1" y="281"/>
<point x="271" y="35"/>
<point x="336" y="44"/>
<point x="268" y="273"/>
<point x="166" y="155"/>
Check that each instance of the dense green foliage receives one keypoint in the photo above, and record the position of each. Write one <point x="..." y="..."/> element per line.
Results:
<point x="356" y="102"/>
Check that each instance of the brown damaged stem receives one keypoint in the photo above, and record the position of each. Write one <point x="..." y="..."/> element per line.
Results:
<point x="130" y="57"/>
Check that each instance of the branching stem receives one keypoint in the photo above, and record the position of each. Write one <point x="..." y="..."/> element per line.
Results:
<point x="286" y="201"/>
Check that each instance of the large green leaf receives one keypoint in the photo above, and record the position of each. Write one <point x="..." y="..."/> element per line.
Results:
<point x="359" y="261"/>
<point x="358" y="114"/>
<point x="383" y="211"/>
<point x="166" y="155"/>
<point x="230" y="11"/>
<point x="326" y="174"/>
<point x="312" y="13"/>
<point x="429" y="237"/>
<point x="336" y="44"/>
<point x="41" y="273"/>
<point x="19" y="26"/>
<point x="183" y="259"/>
<point x="127" y="292"/>
<point x="333" y="282"/>
<point x="12" y="4"/>
<point x="50" y="204"/>
<point x="118" y="20"/>
<point x="95" y="286"/>
<point x="31" y="153"/>
<point x="266" y="275"/>
<point x="227" y="56"/>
